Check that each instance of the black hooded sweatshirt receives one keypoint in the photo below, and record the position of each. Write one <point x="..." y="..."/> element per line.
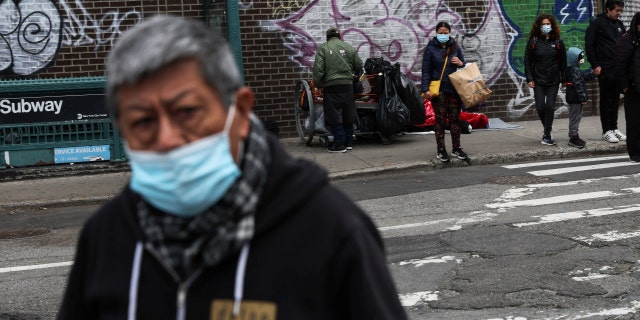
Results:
<point x="315" y="255"/>
<point x="627" y="58"/>
<point x="600" y="40"/>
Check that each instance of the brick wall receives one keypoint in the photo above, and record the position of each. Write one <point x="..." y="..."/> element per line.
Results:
<point x="69" y="38"/>
<point x="279" y="39"/>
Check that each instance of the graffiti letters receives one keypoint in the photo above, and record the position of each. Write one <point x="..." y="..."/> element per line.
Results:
<point x="81" y="28"/>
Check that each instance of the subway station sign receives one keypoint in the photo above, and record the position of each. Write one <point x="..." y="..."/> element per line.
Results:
<point x="52" y="108"/>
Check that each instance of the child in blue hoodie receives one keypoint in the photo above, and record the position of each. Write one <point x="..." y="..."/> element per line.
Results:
<point x="577" y="95"/>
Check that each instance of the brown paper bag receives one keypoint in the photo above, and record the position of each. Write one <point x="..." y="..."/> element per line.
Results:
<point x="470" y="86"/>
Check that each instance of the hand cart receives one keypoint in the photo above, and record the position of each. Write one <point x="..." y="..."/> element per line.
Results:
<point x="308" y="110"/>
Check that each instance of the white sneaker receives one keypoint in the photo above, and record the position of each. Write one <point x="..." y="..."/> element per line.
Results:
<point x="619" y="135"/>
<point x="610" y="136"/>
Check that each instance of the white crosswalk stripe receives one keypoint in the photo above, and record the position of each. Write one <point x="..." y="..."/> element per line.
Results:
<point x="569" y="166"/>
<point x="546" y="163"/>
<point x="552" y="172"/>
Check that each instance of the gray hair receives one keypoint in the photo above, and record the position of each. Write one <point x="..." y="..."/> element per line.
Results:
<point x="156" y="43"/>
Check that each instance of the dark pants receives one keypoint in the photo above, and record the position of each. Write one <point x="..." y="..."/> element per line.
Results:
<point x="447" y="106"/>
<point x="609" y="98"/>
<point x="339" y="109"/>
<point x="632" y="117"/>
<point x="545" y="98"/>
<point x="575" y="116"/>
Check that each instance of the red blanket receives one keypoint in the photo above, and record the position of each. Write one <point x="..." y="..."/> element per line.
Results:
<point x="476" y="120"/>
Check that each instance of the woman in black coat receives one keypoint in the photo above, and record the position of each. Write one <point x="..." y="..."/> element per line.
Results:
<point x="545" y="58"/>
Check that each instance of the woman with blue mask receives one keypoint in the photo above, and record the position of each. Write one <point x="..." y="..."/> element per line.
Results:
<point x="545" y="60"/>
<point x="441" y="57"/>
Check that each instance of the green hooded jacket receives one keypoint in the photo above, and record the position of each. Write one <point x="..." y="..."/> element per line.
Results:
<point x="335" y="63"/>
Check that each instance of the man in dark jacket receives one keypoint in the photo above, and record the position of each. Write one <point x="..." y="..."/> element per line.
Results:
<point x="217" y="221"/>
<point x="626" y="66"/>
<point x="600" y="45"/>
<point x="334" y="67"/>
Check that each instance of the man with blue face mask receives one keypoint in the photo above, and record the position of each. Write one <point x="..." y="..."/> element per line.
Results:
<point x="217" y="221"/>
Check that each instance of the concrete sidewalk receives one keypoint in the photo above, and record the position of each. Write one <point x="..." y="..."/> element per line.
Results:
<point x="93" y="183"/>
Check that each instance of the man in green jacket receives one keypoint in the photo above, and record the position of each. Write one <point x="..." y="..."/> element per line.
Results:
<point x="333" y="69"/>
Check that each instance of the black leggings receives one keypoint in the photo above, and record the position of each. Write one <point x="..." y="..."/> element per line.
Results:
<point x="447" y="106"/>
<point x="545" y="97"/>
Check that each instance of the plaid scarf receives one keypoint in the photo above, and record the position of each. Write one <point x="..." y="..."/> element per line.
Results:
<point x="206" y="239"/>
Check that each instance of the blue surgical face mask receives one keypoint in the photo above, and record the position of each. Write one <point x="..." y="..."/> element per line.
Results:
<point x="189" y="179"/>
<point x="545" y="29"/>
<point x="443" y="38"/>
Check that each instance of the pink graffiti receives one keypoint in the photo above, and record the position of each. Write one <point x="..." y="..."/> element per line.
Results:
<point x="398" y="31"/>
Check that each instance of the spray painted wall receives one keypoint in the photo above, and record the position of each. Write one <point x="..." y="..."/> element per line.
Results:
<point x="71" y="38"/>
<point x="492" y="33"/>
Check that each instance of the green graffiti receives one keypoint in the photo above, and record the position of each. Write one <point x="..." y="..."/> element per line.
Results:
<point x="572" y="15"/>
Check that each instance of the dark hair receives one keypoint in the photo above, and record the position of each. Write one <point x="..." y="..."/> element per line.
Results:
<point x="612" y="4"/>
<point x="443" y="24"/>
<point x="448" y="26"/>
<point x="537" y="33"/>
<point x="333" y="32"/>
<point x="158" y="42"/>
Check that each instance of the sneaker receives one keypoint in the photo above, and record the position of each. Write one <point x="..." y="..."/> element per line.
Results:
<point x="460" y="154"/>
<point x="349" y="148"/>
<point x="577" y="142"/>
<point x="635" y="159"/>
<point x="443" y="156"/>
<point x="610" y="136"/>
<point x="337" y="148"/>
<point x="546" y="139"/>
<point x="619" y="135"/>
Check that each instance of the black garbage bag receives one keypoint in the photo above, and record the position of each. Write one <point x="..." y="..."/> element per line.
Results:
<point x="409" y="94"/>
<point x="376" y="65"/>
<point x="392" y="115"/>
<point x="380" y="67"/>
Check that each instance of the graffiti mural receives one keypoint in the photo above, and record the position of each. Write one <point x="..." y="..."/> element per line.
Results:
<point x="30" y="34"/>
<point x="32" y="31"/>
<point x="395" y="30"/>
<point x="573" y="17"/>
<point x="493" y="34"/>
<point x="81" y="28"/>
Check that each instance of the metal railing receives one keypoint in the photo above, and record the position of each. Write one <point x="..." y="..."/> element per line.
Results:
<point x="41" y="138"/>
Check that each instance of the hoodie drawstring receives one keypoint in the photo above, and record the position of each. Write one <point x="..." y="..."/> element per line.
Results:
<point x="135" y="279"/>
<point x="239" y="286"/>
<point x="133" y="284"/>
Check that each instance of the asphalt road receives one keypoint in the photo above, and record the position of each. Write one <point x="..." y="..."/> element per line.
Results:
<point x="545" y="241"/>
<point x="481" y="242"/>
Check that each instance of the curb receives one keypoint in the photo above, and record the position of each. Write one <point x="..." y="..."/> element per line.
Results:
<point x="32" y="173"/>
<point x="62" y="170"/>
<point x="484" y="159"/>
